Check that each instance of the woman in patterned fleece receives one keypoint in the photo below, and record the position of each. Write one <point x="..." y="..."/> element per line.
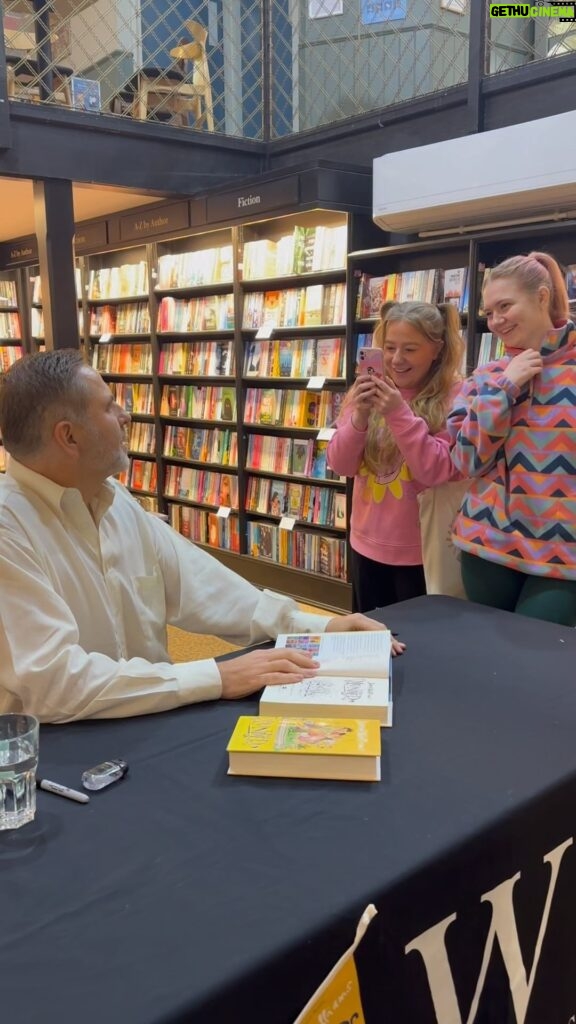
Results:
<point x="391" y="437"/>
<point x="514" y="432"/>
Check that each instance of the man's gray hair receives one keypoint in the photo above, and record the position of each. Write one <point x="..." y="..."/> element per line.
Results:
<point x="36" y="392"/>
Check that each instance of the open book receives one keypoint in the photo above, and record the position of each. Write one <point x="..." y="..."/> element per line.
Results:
<point x="353" y="680"/>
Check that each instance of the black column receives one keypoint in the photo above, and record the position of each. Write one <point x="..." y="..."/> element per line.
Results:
<point x="54" y="222"/>
<point x="477" y="64"/>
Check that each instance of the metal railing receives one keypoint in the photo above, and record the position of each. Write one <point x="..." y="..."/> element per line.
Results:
<point x="254" y="68"/>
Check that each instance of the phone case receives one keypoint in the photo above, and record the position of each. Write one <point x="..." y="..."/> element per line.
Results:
<point x="370" y="360"/>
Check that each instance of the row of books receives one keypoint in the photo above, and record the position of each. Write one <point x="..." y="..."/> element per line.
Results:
<point x="8" y="355"/>
<point x="8" y="293"/>
<point x="198" y="358"/>
<point x="129" y="279"/>
<point x="205" y="527"/>
<point x="299" y="549"/>
<point x="186" y="316"/>
<point x="296" y="307"/>
<point x="127" y="318"/>
<point x="198" y="403"/>
<point x="36" y="283"/>
<point x="10" y="325"/>
<point x="295" y="357"/>
<point x="192" y="269"/>
<point x="201" y="485"/>
<point x="142" y="437"/>
<point x="491" y="347"/>
<point x="37" y="323"/>
<point x="141" y="475"/>
<point x="433" y="285"/>
<point x="147" y="501"/>
<point x="289" y="455"/>
<point x="309" y="503"/>
<point x="122" y="358"/>
<point x="202" y="444"/>
<point x="292" y="408"/>
<point x="305" y="250"/>
<point x="137" y="399"/>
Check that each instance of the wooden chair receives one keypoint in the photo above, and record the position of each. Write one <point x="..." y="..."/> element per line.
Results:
<point x="23" y="73"/>
<point x="173" y="89"/>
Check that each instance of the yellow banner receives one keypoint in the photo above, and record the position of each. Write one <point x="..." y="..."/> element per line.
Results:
<point x="338" y="999"/>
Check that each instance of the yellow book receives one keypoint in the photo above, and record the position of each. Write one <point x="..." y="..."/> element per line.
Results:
<point x="306" y="747"/>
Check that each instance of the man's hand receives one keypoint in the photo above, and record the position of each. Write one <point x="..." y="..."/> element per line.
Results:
<point x="356" y="623"/>
<point x="250" y="672"/>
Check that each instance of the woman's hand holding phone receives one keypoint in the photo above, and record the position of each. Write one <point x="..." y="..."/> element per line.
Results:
<point x="386" y="396"/>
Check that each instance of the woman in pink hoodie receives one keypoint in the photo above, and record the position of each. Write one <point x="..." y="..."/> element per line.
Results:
<point x="391" y="437"/>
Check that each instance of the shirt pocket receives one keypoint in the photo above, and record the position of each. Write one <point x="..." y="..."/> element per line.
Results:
<point x="152" y="598"/>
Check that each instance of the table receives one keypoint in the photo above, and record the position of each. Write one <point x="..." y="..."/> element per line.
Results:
<point x="183" y="894"/>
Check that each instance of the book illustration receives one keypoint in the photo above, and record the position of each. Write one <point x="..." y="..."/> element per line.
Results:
<point x="228" y="404"/>
<point x="278" y="498"/>
<point x="306" y="747"/>
<point x="85" y="94"/>
<point x="225" y="493"/>
<point x="285" y="358"/>
<point x="345" y="654"/>
<point x="346" y="696"/>
<point x="319" y="467"/>
<point x="299" y="457"/>
<point x="340" y="510"/>
<point x="253" y="358"/>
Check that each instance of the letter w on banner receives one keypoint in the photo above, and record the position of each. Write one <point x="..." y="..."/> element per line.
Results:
<point x="338" y="997"/>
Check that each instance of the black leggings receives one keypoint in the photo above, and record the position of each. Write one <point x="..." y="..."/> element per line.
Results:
<point x="375" y="585"/>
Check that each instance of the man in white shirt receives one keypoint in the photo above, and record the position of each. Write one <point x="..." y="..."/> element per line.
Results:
<point x="89" y="580"/>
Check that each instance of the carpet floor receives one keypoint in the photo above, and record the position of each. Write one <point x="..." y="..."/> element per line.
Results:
<point x="184" y="646"/>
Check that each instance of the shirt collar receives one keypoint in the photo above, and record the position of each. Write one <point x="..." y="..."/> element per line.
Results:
<point x="61" y="499"/>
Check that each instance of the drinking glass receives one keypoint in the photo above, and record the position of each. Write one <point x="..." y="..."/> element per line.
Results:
<point x="18" y="764"/>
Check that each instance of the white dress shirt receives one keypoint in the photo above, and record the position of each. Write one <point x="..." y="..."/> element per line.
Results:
<point x="85" y="595"/>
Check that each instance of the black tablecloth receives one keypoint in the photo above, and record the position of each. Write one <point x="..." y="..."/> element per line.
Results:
<point x="184" y="894"/>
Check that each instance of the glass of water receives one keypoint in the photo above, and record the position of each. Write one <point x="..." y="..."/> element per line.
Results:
<point x="18" y="764"/>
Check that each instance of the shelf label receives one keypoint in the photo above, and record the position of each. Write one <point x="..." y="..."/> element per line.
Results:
<point x="287" y="523"/>
<point x="104" y="338"/>
<point x="265" y="330"/>
<point x="326" y="433"/>
<point x="316" y="383"/>
<point x="224" y="511"/>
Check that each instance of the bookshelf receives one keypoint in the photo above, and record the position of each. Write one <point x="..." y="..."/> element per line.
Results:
<point x="228" y="327"/>
<point x="118" y="337"/>
<point x="11" y="341"/>
<point x="36" y="310"/>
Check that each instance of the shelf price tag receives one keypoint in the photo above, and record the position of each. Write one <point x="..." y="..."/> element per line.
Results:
<point x="287" y="523"/>
<point x="104" y="338"/>
<point x="265" y="330"/>
<point x="224" y="511"/>
<point x="316" y="383"/>
<point x="326" y="433"/>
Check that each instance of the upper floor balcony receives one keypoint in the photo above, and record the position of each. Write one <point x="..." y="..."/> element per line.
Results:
<point x="260" y="70"/>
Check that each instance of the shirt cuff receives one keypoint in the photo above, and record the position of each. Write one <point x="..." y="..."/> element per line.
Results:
<point x="198" y="680"/>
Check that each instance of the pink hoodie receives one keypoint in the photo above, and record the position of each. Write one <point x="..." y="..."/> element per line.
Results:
<point x="385" y="524"/>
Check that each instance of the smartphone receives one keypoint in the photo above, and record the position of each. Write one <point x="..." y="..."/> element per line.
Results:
<point x="371" y="360"/>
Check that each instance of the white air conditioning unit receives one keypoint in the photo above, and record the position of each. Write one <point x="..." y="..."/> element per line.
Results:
<point x="525" y="171"/>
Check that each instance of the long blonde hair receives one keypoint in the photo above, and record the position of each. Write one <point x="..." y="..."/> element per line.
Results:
<point x="441" y="324"/>
<point x="533" y="271"/>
